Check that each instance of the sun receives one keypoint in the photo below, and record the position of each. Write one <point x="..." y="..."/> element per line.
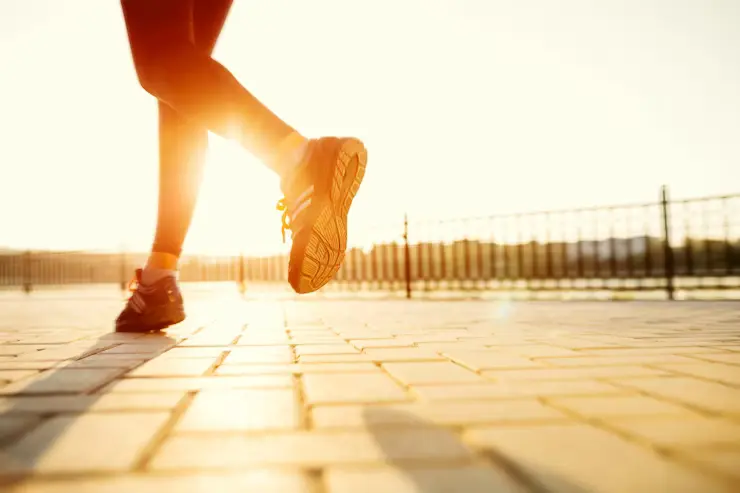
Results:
<point x="236" y="207"/>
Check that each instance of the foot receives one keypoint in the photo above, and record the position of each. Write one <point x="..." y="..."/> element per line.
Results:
<point x="152" y="307"/>
<point x="318" y="195"/>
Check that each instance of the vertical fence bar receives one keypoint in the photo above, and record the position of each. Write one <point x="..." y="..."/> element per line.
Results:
<point x="26" y="266"/>
<point x="548" y="248"/>
<point x="612" y="244"/>
<point x="580" y="266"/>
<point x="669" y="264"/>
<point x="519" y="249"/>
<point x="564" y="258"/>
<point x="688" y="240"/>
<point x="726" y="228"/>
<point x="242" y="275"/>
<point x="706" y="239"/>
<point x="406" y="256"/>
<point x="534" y="248"/>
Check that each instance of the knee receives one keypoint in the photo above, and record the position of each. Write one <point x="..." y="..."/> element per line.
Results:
<point x="160" y="46"/>
<point x="158" y="67"/>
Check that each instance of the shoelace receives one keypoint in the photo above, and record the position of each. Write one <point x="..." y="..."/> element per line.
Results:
<point x="283" y="207"/>
<point x="133" y="284"/>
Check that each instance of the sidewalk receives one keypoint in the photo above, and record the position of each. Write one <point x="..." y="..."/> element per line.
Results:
<point x="332" y="396"/>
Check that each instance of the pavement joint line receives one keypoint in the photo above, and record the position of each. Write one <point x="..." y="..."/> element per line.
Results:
<point x="679" y="373"/>
<point x="211" y="371"/>
<point x="510" y="469"/>
<point x="305" y="414"/>
<point x="603" y="425"/>
<point x="316" y="480"/>
<point x="149" y="451"/>
<point x="696" y="409"/>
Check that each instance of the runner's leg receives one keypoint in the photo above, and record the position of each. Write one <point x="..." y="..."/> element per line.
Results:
<point x="182" y="150"/>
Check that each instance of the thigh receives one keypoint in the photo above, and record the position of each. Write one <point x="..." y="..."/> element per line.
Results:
<point x="157" y="27"/>
<point x="209" y="17"/>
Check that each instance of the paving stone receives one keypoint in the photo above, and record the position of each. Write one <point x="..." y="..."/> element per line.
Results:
<point x="681" y="432"/>
<point x="90" y="403"/>
<point x="173" y="367"/>
<point x="239" y="410"/>
<point x="297" y="369"/>
<point x="260" y="354"/>
<point x="515" y="389"/>
<point x="697" y="393"/>
<point x="443" y="414"/>
<point x="628" y="405"/>
<point x="380" y="343"/>
<point x="139" y="349"/>
<point x="309" y="449"/>
<point x="431" y="373"/>
<point x="64" y="444"/>
<point x="318" y="341"/>
<point x="195" y="352"/>
<point x="62" y="381"/>
<point x="632" y="360"/>
<point x="468" y="479"/>
<point x="358" y="410"/>
<point x="56" y="354"/>
<point x="647" y="351"/>
<point x="578" y="458"/>
<point x="574" y="343"/>
<point x="15" y="364"/>
<point x="104" y="361"/>
<point x="536" y="350"/>
<point x="211" y="338"/>
<point x="575" y="373"/>
<point x="262" y="340"/>
<point x="262" y="481"/>
<point x="348" y="388"/>
<point x="11" y="426"/>
<point x="723" y="461"/>
<point x="16" y="349"/>
<point x="8" y="376"/>
<point x="198" y="383"/>
<point x="730" y="358"/>
<point x="488" y="360"/>
<point x="325" y="349"/>
<point x="726" y="374"/>
<point x="387" y="355"/>
<point x="335" y="358"/>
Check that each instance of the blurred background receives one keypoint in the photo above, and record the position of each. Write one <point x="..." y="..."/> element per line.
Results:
<point x="515" y="146"/>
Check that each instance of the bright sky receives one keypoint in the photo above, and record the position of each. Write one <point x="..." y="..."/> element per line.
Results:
<point x="468" y="107"/>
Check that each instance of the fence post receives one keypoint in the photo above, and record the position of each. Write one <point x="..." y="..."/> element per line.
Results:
<point x="407" y="255"/>
<point x="123" y="274"/>
<point x="669" y="266"/>
<point x="242" y="283"/>
<point x="26" y="269"/>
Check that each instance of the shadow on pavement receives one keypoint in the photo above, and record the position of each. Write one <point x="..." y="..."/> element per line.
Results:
<point x="433" y="459"/>
<point x="29" y="428"/>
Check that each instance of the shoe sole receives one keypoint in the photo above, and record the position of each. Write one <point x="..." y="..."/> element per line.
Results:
<point x="326" y="245"/>
<point x="172" y="317"/>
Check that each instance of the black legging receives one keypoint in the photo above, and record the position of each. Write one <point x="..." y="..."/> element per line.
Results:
<point x="171" y="44"/>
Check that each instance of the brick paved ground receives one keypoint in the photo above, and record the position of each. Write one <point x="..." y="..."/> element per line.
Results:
<point x="371" y="396"/>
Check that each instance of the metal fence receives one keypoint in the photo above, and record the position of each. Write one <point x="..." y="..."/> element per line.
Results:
<point x="661" y="246"/>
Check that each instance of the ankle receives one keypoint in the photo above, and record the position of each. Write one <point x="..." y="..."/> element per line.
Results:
<point x="162" y="261"/>
<point x="289" y="154"/>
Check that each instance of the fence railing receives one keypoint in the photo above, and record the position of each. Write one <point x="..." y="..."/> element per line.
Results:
<point x="665" y="245"/>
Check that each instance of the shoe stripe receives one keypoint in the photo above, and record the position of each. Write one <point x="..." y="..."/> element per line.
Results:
<point x="137" y="303"/>
<point x="301" y="203"/>
<point x="305" y="195"/>
<point x="296" y="212"/>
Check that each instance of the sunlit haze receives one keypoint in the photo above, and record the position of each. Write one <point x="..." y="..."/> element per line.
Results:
<point x="467" y="107"/>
